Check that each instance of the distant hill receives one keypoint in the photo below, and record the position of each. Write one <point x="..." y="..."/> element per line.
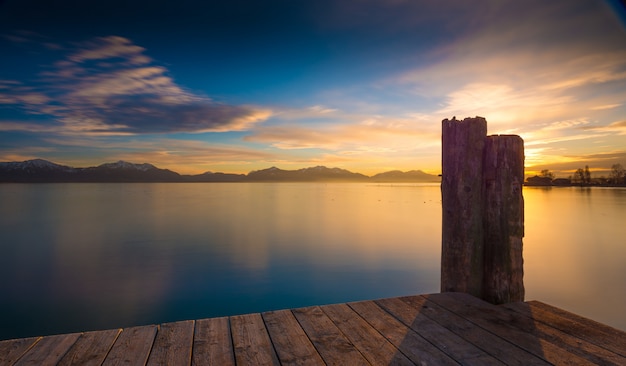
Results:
<point x="318" y="173"/>
<point x="410" y="176"/>
<point x="214" y="177"/>
<point x="43" y="171"/>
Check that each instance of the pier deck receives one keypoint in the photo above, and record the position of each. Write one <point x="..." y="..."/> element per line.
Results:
<point x="437" y="329"/>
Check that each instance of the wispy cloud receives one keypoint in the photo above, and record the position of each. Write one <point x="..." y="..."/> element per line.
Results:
<point x="109" y="86"/>
<point x="618" y="127"/>
<point x="606" y="106"/>
<point x="564" y="164"/>
<point x="14" y="92"/>
<point x="109" y="48"/>
<point x="369" y="133"/>
<point x="182" y="156"/>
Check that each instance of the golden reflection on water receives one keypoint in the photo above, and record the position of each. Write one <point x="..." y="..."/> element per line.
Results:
<point x="108" y="255"/>
<point x="132" y="248"/>
<point x="574" y="251"/>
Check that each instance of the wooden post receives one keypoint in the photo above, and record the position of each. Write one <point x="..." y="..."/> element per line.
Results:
<point x="461" y="186"/>
<point x="483" y="211"/>
<point x="503" y="219"/>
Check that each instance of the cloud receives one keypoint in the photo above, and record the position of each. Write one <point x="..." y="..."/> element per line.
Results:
<point x="606" y="106"/>
<point x="14" y="92"/>
<point x="182" y="156"/>
<point x="619" y="124"/>
<point x="500" y="101"/>
<point x="369" y="134"/>
<point x="109" y="86"/>
<point x="524" y="58"/>
<point x="16" y="125"/>
<point x="618" y="127"/>
<point x="321" y="109"/>
<point x="565" y="164"/>
<point x="111" y="47"/>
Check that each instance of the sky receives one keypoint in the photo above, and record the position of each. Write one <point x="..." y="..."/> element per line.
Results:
<point x="235" y="86"/>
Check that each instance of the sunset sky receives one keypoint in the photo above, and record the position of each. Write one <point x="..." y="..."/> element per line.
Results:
<point x="235" y="86"/>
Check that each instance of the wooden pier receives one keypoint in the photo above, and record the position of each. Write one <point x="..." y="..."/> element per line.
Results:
<point x="437" y="329"/>
<point x="481" y="255"/>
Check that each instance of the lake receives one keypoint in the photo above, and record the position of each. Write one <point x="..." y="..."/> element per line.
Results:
<point x="76" y="257"/>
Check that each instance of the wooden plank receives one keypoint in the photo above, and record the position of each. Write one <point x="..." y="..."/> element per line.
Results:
<point x="372" y="345"/>
<point x="499" y="348"/>
<point x="290" y="341"/>
<point x="587" y="329"/>
<point x="430" y="329"/>
<point x="173" y="344"/>
<point x="212" y="343"/>
<point x="498" y="321"/>
<point x="571" y="341"/>
<point x="11" y="350"/>
<point x="251" y="341"/>
<point x="91" y="348"/>
<point x="132" y="346"/>
<point x="331" y="344"/>
<point x="49" y="350"/>
<point x="411" y="344"/>
<point x="454" y="346"/>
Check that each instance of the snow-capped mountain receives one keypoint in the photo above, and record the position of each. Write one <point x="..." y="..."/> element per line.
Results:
<point x="34" y="165"/>
<point x="39" y="170"/>
<point x="126" y="165"/>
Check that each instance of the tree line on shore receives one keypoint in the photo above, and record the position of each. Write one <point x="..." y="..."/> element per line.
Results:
<point x="581" y="177"/>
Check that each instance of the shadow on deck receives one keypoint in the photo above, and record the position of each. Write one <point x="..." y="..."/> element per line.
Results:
<point x="437" y="329"/>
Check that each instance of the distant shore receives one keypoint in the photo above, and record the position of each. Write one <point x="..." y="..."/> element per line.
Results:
<point x="537" y="181"/>
<point x="43" y="171"/>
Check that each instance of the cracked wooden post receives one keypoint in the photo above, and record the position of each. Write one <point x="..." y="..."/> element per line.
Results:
<point x="503" y="218"/>
<point x="462" y="145"/>
<point x="483" y="211"/>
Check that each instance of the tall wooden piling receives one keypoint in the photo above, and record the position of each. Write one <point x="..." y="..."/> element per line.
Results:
<point x="483" y="211"/>
<point x="463" y="143"/>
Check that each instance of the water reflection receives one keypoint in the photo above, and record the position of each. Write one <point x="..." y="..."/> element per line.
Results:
<point x="92" y="256"/>
<point x="574" y="252"/>
<point x="76" y="257"/>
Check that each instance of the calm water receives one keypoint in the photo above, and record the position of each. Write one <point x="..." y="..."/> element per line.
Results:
<point x="77" y="257"/>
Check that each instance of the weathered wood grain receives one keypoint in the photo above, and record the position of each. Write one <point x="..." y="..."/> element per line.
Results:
<point x="49" y="350"/>
<point x="453" y="345"/>
<point x="212" y="343"/>
<point x="436" y="329"/>
<point x="290" y="341"/>
<point x="523" y="318"/>
<point x="503" y="219"/>
<point x="332" y="345"/>
<point x="372" y="345"/>
<point x="132" y="346"/>
<point x="576" y="329"/>
<point x="91" y="348"/>
<point x="590" y="330"/>
<point x="251" y="341"/>
<point x="489" y="342"/>
<point x="12" y="349"/>
<point x="412" y="345"/>
<point x="462" y="144"/>
<point x="173" y="344"/>
<point x="498" y="321"/>
<point x="482" y="211"/>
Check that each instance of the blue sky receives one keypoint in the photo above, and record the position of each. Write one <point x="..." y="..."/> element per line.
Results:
<point x="236" y="86"/>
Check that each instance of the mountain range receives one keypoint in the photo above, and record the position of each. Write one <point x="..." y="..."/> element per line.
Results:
<point x="43" y="171"/>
